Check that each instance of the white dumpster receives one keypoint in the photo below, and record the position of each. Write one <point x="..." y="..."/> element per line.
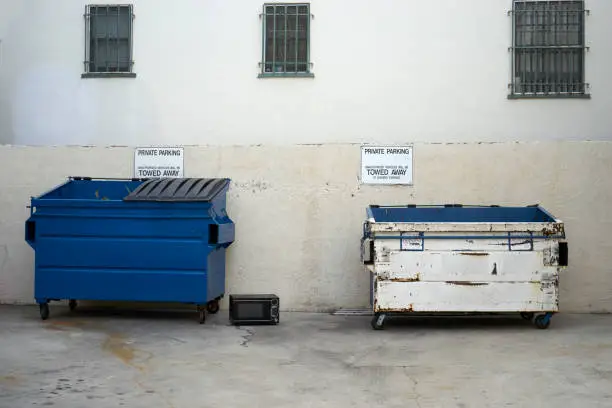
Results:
<point x="464" y="259"/>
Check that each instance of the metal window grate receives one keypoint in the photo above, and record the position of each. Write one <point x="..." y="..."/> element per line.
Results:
<point x="548" y="48"/>
<point x="286" y="39"/>
<point x="108" y="43"/>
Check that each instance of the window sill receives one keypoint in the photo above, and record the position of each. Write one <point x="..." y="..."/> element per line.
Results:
<point x="550" y="96"/>
<point x="108" y="75"/>
<point x="286" y="75"/>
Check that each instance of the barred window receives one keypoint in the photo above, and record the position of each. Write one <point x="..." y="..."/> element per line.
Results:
<point x="548" y="48"/>
<point x="286" y="40"/>
<point x="108" y="44"/>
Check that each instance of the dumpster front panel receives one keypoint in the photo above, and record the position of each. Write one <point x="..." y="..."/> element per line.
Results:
<point x="444" y="260"/>
<point x="106" y="258"/>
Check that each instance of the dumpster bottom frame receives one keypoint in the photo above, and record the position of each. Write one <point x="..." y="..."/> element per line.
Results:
<point x="210" y="307"/>
<point x="540" y="319"/>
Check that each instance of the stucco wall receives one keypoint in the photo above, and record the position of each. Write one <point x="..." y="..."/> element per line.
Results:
<point x="434" y="73"/>
<point x="299" y="209"/>
<point x="385" y="71"/>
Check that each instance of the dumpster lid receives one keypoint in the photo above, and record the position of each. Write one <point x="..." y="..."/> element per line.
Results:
<point x="178" y="189"/>
<point x="457" y="213"/>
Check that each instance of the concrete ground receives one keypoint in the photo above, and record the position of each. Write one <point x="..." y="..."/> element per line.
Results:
<point x="101" y="358"/>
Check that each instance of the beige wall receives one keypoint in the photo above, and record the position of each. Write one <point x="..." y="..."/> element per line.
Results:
<point x="298" y="209"/>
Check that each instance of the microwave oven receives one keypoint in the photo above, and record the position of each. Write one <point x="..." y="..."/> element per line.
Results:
<point x="254" y="309"/>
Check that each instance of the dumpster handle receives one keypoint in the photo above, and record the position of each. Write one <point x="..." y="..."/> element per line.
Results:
<point x="563" y="254"/>
<point x="31" y="232"/>
<point x="213" y="234"/>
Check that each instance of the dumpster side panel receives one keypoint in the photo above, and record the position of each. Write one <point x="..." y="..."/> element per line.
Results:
<point x="216" y="273"/>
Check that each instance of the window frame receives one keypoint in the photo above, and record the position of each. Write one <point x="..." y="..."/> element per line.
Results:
<point x="87" y="73"/>
<point x="512" y="86"/>
<point x="298" y="74"/>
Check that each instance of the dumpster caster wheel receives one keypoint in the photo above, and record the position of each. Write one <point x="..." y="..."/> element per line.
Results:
<point x="378" y="321"/>
<point x="44" y="311"/>
<point x="542" y="321"/>
<point x="212" y="307"/>
<point x="202" y="313"/>
<point x="72" y="304"/>
<point x="527" y="315"/>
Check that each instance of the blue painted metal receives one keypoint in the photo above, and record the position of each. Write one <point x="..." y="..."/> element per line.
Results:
<point x="459" y="214"/>
<point x="91" y="244"/>
<point x="547" y="317"/>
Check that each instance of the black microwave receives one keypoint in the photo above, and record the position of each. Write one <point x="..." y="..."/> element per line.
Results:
<point x="253" y="309"/>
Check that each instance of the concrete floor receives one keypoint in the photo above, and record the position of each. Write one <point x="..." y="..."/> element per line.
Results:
<point x="102" y="358"/>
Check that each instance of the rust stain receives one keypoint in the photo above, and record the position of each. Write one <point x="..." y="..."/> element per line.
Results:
<point x="10" y="380"/>
<point x="116" y="345"/>
<point x="60" y="325"/>
<point x="73" y="323"/>
<point x="556" y="228"/>
<point x="462" y="283"/>
<point x="474" y="253"/>
<point x="53" y="327"/>
<point x="417" y="278"/>
<point x="408" y="309"/>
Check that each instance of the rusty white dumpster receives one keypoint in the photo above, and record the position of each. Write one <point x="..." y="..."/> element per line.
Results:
<point x="464" y="259"/>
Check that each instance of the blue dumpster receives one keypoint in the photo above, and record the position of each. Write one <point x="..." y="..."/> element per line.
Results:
<point x="161" y="240"/>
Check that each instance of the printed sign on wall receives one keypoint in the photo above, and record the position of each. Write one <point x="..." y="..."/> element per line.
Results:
<point x="386" y="164"/>
<point x="158" y="162"/>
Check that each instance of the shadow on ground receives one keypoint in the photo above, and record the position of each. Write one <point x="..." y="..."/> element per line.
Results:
<point x="462" y="322"/>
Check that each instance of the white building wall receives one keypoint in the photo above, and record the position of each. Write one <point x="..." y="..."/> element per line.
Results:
<point x="385" y="71"/>
<point x="433" y="73"/>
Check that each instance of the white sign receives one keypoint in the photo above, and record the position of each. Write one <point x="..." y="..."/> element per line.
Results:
<point x="386" y="164"/>
<point x="158" y="162"/>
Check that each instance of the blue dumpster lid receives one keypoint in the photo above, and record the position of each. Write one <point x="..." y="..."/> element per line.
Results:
<point x="458" y="213"/>
<point x="178" y="189"/>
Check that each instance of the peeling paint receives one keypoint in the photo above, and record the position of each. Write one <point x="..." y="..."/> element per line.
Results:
<point x="524" y="242"/>
<point x="417" y="278"/>
<point x="408" y="309"/>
